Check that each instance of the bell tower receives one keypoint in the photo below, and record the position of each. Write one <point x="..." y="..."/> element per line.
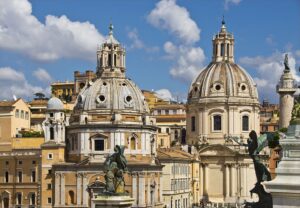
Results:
<point x="111" y="57"/>
<point x="223" y="45"/>
<point x="286" y="89"/>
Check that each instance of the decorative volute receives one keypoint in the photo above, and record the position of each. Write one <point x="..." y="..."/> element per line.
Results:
<point x="111" y="57"/>
<point x="223" y="45"/>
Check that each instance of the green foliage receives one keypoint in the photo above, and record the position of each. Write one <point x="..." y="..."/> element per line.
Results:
<point x="273" y="140"/>
<point x="32" y="134"/>
<point x="283" y="130"/>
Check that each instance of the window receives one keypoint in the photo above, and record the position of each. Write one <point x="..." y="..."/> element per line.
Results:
<point x="115" y="60"/>
<point x="193" y="123"/>
<point x="49" y="172"/>
<point x="133" y="143"/>
<point x="162" y="142"/>
<point x="49" y="200"/>
<point x="22" y="114"/>
<point x="49" y="186"/>
<point x="32" y="199"/>
<point x="228" y="50"/>
<point x="20" y="162"/>
<point x="167" y="130"/>
<point x="71" y="197"/>
<point x="217" y="123"/>
<point x="26" y="115"/>
<point x="167" y="112"/>
<point x="20" y="176"/>
<point x="99" y="145"/>
<point x="245" y="124"/>
<point x="158" y="112"/>
<point x="19" y="198"/>
<point x="6" y="162"/>
<point x="33" y="162"/>
<point x="51" y="133"/>
<point x="109" y="60"/>
<point x="33" y="176"/>
<point x="159" y="130"/>
<point x="17" y="114"/>
<point x="6" y="179"/>
<point x="51" y="115"/>
<point x="222" y="49"/>
<point x="50" y="156"/>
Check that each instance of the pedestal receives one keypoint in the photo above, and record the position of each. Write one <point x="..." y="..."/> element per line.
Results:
<point x="285" y="188"/>
<point x="102" y="201"/>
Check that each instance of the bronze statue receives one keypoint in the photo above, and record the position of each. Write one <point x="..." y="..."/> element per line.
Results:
<point x="286" y="63"/>
<point x="115" y="166"/>
<point x="255" y="145"/>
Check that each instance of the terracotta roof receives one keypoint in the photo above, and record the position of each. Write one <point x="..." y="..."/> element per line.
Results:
<point x="8" y="103"/>
<point x="170" y="153"/>
<point x="169" y="106"/>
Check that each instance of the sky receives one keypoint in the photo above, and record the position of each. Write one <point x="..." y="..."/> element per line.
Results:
<point x="167" y="42"/>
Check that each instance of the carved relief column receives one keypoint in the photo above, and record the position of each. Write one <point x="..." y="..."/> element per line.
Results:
<point x="57" y="189"/>
<point x="141" y="189"/>
<point x="84" y="190"/>
<point x="78" y="187"/>
<point x="134" y="187"/>
<point x="227" y="181"/>
<point x="62" y="189"/>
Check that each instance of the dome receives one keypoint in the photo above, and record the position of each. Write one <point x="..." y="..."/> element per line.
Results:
<point x="225" y="79"/>
<point x="55" y="104"/>
<point x="107" y="94"/>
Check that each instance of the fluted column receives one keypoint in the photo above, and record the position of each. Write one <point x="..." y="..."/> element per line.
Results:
<point x="78" y="187"/>
<point x="57" y="189"/>
<point x="84" y="190"/>
<point x="62" y="184"/>
<point x="227" y="181"/>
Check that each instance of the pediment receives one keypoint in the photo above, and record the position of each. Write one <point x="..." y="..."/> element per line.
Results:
<point x="217" y="150"/>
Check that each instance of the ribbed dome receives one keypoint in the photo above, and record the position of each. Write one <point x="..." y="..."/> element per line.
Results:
<point x="118" y="94"/>
<point x="55" y="104"/>
<point x="223" y="79"/>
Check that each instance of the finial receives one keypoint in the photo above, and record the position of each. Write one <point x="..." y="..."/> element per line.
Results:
<point x="111" y="28"/>
<point x="223" y="20"/>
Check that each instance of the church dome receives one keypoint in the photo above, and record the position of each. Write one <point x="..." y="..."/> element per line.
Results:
<point x="118" y="94"/>
<point x="55" y="104"/>
<point x="223" y="77"/>
<point x="111" y="90"/>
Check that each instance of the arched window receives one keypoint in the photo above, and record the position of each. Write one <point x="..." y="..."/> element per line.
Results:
<point x="115" y="60"/>
<point x="132" y="143"/>
<point x="217" y="123"/>
<point x="71" y="199"/>
<point x="109" y="60"/>
<point x="51" y="133"/>
<point x="245" y="123"/>
<point x="222" y="49"/>
<point x="176" y="134"/>
<point x="32" y="199"/>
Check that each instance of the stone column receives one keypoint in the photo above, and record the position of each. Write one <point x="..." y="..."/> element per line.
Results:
<point x="84" y="190"/>
<point x="227" y="181"/>
<point x="141" y="189"/>
<point x="206" y="178"/>
<point x="201" y="180"/>
<point x="245" y="184"/>
<point x="62" y="188"/>
<point x="233" y="180"/>
<point x="134" y="187"/>
<point x="78" y="187"/>
<point x="160" y="188"/>
<point x="57" y="189"/>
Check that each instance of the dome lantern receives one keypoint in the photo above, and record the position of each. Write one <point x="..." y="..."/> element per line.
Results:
<point x="111" y="57"/>
<point x="223" y="45"/>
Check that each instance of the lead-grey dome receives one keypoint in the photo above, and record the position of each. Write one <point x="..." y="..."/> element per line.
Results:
<point x="55" y="104"/>
<point x="118" y="94"/>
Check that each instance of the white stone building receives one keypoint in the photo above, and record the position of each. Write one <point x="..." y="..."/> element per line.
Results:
<point x="223" y="102"/>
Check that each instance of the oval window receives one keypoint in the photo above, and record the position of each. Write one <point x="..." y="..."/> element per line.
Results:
<point x="218" y="87"/>
<point x="101" y="98"/>
<point x="128" y="98"/>
<point x="243" y="87"/>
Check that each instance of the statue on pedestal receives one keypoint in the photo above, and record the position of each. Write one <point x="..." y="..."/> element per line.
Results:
<point x="115" y="166"/>
<point x="255" y="145"/>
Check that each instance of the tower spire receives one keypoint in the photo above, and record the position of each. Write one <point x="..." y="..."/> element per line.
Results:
<point x="223" y="20"/>
<point x="111" y="28"/>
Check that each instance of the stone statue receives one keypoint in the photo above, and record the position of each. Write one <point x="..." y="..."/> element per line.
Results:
<point x="296" y="112"/>
<point x="115" y="166"/>
<point x="286" y="63"/>
<point x="255" y="145"/>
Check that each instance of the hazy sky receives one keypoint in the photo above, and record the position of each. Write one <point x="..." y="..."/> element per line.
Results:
<point x="168" y="42"/>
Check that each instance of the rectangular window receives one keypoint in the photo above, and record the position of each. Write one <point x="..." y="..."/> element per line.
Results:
<point x="49" y="200"/>
<point x="33" y="176"/>
<point x="167" y="112"/>
<point x="6" y="180"/>
<point x="49" y="172"/>
<point x="17" y="113"/>
<point x="158" y="112"/>
<point x="193" y="125"/>
<point x="20" y="162"/>
<point x="20" y="176"/>
<point x="27" y="116"/>
<point x="245" y="123"/>
<point x="32" y="199"/>
<point x="22" y="114"/>
<point x="99" y="145"/>
<point x="50" y="156"/>
<point x="51" y="115"/>
<point x="19" y="198"/>
<point x="217" y="123"/>
<point x="33" y="162"/>
<point x="6" y="162"/>
<point x="162" y="142"/>
<point x="49" y="186"/>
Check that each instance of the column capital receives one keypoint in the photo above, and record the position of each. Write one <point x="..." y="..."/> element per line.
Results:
<point x="57" y="175"/>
